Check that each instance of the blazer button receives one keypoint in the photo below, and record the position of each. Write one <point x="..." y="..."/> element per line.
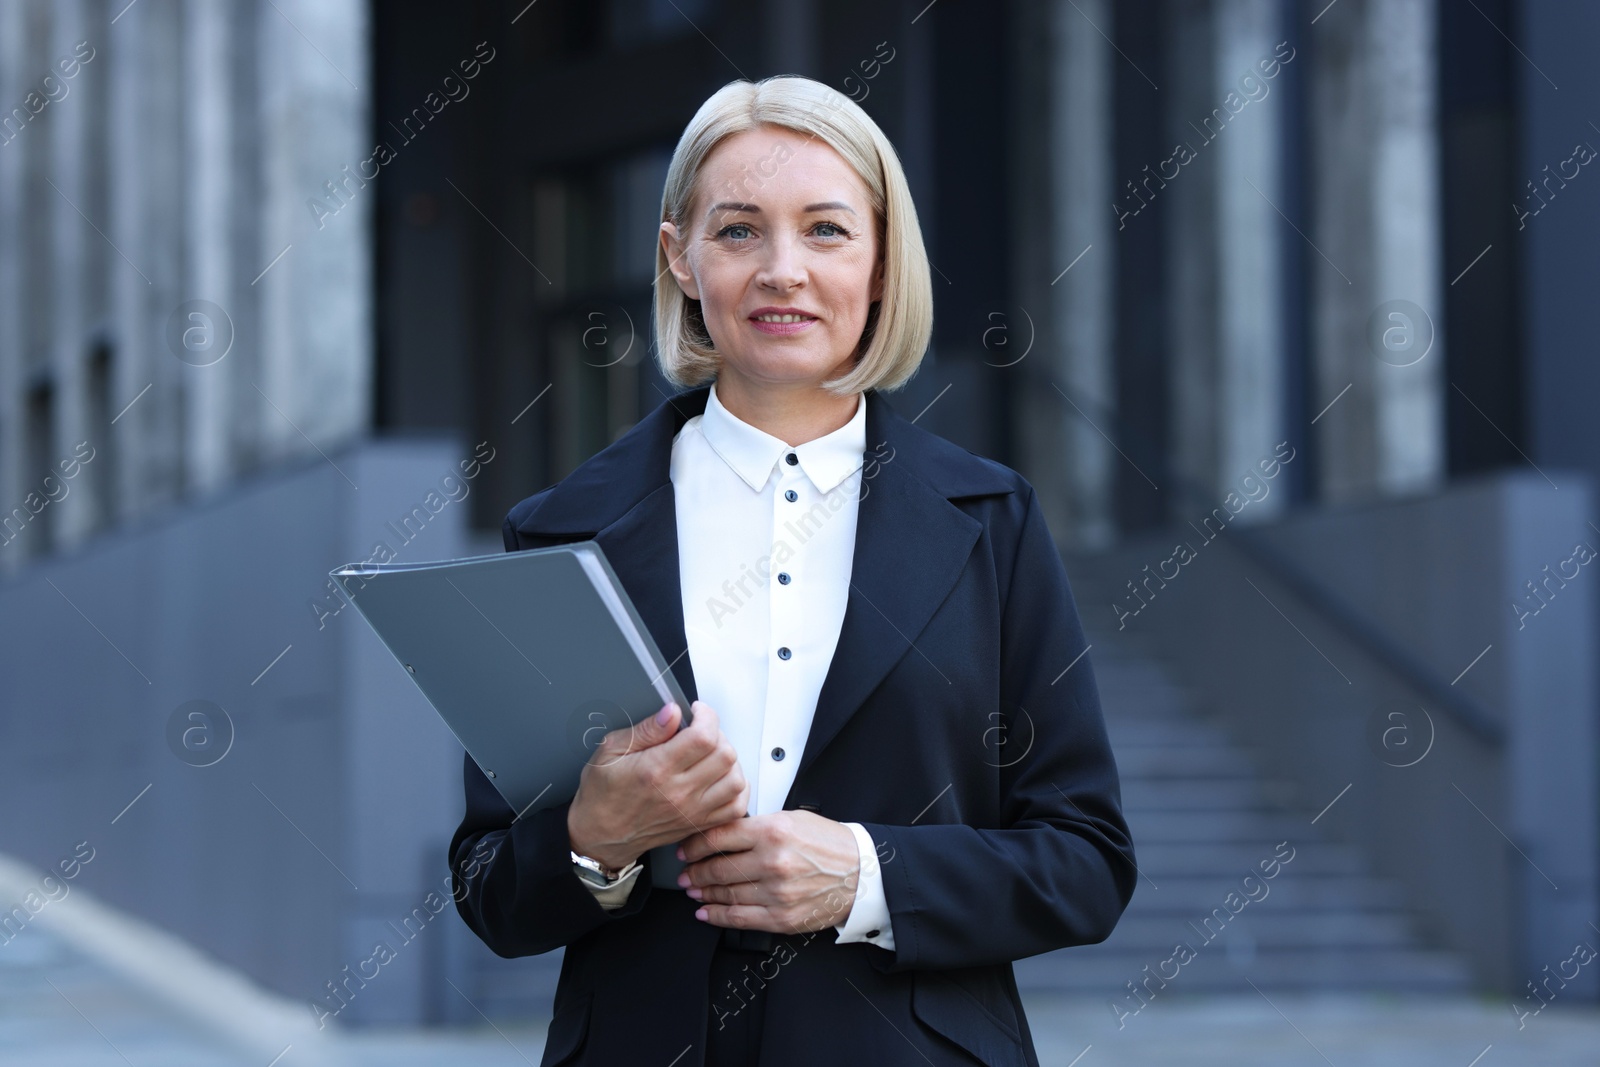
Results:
<point x="874" y="933"/>
<point x="790" y="495"/>
<point x="783" y="652"/>
<point x="777" y="753"/>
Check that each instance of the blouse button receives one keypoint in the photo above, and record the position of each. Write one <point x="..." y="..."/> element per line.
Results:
<point x="783" y="577"/>
<point x="783" y="652"/>
<point x="777" y="753"/>
<point x="791" y="459"/>
<point x="790" y="494"/>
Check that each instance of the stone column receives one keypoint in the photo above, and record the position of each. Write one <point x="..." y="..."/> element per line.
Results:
<point x="1377" y="311"/>
<point x="315" y="302"/>
<point x="1249" y="229"/>
<point x="1224" y="238"/>
<point x="1064" y="269"/>
<point x="71" y="256"/>
<point x="12" y="258"/>
<point x="208" y="262"/>
<point x="1189" y="185"/>
<point x="146" y="105"/>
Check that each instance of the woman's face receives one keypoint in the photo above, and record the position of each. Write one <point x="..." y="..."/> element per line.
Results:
<point x="779" y="225"/>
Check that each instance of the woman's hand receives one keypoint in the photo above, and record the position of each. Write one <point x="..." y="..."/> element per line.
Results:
<point x="787" y="872"/>
<point x="651" y="784"/>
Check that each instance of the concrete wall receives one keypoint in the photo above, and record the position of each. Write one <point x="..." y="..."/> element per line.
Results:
<point x="1477" y="791"/>
<point x="324" y="825"/>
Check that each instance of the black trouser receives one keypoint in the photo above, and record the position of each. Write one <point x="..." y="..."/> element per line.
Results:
<point x="738" y="1000"/>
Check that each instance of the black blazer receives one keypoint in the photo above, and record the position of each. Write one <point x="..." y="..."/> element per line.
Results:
<point x="949" y="725"/>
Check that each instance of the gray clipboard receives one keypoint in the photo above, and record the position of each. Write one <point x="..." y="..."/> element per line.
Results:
<point x="529" y="657"/>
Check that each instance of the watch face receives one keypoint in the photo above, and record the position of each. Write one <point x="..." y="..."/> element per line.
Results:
<point x="589" y="874"/>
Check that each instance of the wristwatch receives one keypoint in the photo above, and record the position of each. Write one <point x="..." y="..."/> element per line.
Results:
<point x="598" y="874"/>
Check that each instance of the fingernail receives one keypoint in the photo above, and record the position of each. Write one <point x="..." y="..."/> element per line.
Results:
<point x="664" y="714"/>
<point x="681" y="856"/>
<point x="700" y="913"/>
<point x="683" y="879"/>
<point x="696" y="892"/>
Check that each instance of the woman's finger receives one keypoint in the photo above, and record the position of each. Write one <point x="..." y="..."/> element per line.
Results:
<point x="737" y="916"/>
<point x="724" y="870"/>
<point x="740" y="894"/>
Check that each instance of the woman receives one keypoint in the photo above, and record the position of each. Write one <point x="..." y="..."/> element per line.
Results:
<point x="897" y="740"/>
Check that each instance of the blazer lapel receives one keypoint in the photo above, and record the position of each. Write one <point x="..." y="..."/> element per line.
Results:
<point x="911" y="544"/>
<point x="622" y="498"/>
<point x="642" y="546"/>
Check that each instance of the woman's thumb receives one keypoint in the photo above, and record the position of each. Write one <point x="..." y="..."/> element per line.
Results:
<point x="661" y="725"/>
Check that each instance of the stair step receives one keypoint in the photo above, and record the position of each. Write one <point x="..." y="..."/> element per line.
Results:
<point x="1176" y="731"/>
<point x="1190" y="896"/>
<point x="1190" y="760"/>
<point x="1217" y="794"/>
<point x="1290" y="928"/>
<point x="1243" y="826"/>
<point x="1316" y="857"/>
<point x="1214" y="970"/>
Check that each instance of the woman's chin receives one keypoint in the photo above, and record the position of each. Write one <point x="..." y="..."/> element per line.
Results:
<point x="782" y="369"/>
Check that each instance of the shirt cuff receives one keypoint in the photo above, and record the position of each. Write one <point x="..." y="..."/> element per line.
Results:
<point x="868" y="920"/>
<point x="615" y="895"/>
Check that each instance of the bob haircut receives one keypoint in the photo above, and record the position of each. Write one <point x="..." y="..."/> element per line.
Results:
<point x="898" y="326"/>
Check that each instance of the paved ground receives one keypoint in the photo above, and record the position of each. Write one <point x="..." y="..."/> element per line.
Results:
<point x="83" y="986"/>
<point x="59" y="1008"/>
<point x="1372" y="1031"/>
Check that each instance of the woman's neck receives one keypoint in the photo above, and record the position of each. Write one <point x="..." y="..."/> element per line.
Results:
<point x="794" y="414"/>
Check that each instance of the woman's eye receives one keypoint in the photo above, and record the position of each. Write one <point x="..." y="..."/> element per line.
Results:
<point x="822" y="229"/>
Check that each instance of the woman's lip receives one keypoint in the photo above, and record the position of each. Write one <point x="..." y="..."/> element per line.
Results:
<point x="781" y="328"/>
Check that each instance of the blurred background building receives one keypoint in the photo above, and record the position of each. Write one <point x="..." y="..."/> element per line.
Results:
<point x="1279" y="305"/>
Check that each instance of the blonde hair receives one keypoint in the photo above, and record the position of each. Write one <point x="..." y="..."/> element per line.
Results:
<point x="899" y="325"/>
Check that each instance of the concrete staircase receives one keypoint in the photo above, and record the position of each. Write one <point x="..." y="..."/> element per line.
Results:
<point x="1204" y="815"/>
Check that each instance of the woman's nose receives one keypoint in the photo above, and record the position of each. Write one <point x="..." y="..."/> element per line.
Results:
<point x="783" y="269"/>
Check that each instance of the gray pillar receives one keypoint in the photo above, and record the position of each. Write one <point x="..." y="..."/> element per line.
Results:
<point x="1250" y="271"/>
<point x="12" y="256"/>
<point x="208" y="265"/>
<point x="71" y="258"/>
<point x="145" y="230"/>
<point x="12" y="82"/>
<point x="125" y="288"/>
<point x="1377" y="237"/>
<point x="1223" y="244"/>
<point x="1192" y="242"/>
<point x="316" y="328"/>
<point x="1065" y="270"/>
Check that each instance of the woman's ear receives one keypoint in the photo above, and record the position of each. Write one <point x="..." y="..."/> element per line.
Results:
<point x="672" y="244"/>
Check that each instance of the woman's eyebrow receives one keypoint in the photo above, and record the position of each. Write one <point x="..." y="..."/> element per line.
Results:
<point x="753" y="209"/>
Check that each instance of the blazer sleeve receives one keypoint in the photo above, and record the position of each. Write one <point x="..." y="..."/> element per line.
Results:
<point x="1061" y="870"/>
<point x="512" y="878"/>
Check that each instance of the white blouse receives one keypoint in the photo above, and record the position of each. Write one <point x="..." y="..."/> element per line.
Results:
<point x="766" y="542"/>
